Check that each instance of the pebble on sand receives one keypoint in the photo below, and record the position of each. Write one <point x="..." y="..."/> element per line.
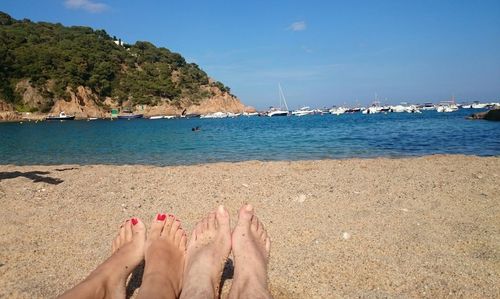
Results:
<point x="346" y="235"/>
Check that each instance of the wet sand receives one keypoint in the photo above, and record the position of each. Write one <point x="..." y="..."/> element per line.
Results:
<point x="373" y="228"/>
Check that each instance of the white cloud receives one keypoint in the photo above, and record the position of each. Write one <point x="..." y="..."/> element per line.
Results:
<point x="88" y="5"/>
<point x="298" y="26"/>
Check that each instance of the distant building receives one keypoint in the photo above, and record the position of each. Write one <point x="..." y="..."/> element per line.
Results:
<point x="119" y="42"/>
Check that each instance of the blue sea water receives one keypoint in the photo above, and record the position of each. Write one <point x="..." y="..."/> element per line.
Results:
<point x="171" y="142"/>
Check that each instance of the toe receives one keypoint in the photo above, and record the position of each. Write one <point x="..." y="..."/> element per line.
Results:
<point x="121" y="235"/>
<point x="177" y="236"/>
<point x="183" y="242"/>
<point x="211" y="221"/>
<point x="245" y="215"/>
<point x="222" y="217"/>
<point x="173" y="230"/>
<point x="127" y="231"/>
<point x="138" y="229"/>
<point x="156" y="227"/>
<point x="255" y="224"/>
<point x="268" y="245"/>
<point x="199" y="228"/>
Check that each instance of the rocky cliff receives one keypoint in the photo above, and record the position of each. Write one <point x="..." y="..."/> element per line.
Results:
<point x="83" y="103"/>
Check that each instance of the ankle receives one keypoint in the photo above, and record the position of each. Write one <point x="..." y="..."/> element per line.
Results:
<point x="200" y="288"/>
<point x="249" y="287"/>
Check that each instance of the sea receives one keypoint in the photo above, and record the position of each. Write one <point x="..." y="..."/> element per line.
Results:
<point x="172" y="141"/>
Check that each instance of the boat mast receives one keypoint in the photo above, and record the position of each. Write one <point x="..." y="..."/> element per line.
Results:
<point x="282" y="97"/>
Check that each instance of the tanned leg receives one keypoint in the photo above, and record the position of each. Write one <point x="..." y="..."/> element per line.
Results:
<point x="109" y="279"/>
<point x="251" y="247"/>
<point x="164" y="259"/>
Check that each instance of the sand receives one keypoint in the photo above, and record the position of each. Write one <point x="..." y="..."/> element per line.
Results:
<point x="373" y="228"/>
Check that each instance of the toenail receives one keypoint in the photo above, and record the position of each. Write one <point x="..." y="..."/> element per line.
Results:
<point x="161" y="217"/>
<point x="134" y="221"/>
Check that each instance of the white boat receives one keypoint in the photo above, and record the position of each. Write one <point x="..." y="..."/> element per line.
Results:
<point x="303" y="111"/>
<point x="337" y="110"/>
<point x="478" y="105"/>
<point x="250" y="113"/>
<point x="279" y="111"/>
<point x="92" y="118"/>
<point x="215" y="115"/>
<point x="446" y="108"/>
<point x="156" y="117"/>
<point x="399" y="108"/>
<point x="62" y="116"/>
<point x="169" y="116"/>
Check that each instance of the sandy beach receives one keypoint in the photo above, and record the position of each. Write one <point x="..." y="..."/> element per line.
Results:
<point x="373" y="228"/>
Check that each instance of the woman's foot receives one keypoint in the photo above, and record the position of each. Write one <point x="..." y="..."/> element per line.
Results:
<point x="207" y="252"/>
<point x="251" y="247"/>
<point x="164" y="259"/>
<point x="110" y="278"/>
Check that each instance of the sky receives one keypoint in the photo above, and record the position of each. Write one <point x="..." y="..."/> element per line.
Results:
<point x="323" y="53"/>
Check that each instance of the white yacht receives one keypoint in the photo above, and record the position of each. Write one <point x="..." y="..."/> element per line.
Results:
<point x="303" y="111"/>
<point x="338" y="110"/>
<point x="279" y="111"/>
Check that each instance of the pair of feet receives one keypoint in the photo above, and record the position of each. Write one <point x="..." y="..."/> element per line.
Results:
<point x="178" y="268"/>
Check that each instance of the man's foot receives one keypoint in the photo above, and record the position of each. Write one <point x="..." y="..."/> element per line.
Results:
<point x="164" y="259"/>
<point x="109" y="279"/>
<point x="207" y="252"/>
<point x="251" y="246"/>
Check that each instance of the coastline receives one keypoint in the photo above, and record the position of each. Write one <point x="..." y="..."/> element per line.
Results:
<point x="371" y="227"/>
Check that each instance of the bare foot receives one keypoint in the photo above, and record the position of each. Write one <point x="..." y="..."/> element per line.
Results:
<point x="109" y="279"/>
<point x="164" y="257"/>
<point x="207" y="252"/>
<point x="251" y="247"/>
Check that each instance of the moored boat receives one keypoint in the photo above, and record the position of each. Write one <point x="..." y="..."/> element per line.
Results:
<point x="130" y="116"/>
<point x="62" y="116"/>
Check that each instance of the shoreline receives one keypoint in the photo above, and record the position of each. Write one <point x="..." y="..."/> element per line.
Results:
<point x="371" y="227"/>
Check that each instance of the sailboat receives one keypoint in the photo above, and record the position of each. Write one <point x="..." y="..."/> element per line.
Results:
<point x="279" y="111"/>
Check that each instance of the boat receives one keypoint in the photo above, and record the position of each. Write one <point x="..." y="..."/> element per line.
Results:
<point x="446" y="108"/>
<point x="92" y="118"/>
<point x="130" y="116"/>
<point x="337" y="110"/>
<point x="62" y="116"/>
<point x="428" y="106"/>
<point x="477" y="105"/>
<point x="279" y="111"/>
<point x="303" y="111"/>
<point x="156" y="117"/>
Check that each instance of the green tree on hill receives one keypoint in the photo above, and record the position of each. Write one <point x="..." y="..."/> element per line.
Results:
<point x="76" y="56"/>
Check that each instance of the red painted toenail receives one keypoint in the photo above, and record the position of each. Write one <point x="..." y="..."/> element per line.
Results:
<point x="134" y="221"/>
<point x="161" y="217"/>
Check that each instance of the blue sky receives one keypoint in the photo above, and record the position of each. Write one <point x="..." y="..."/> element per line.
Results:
<point x="322" y="52"/>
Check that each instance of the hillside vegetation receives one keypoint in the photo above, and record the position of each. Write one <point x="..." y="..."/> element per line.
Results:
<point x="56" y="59"/>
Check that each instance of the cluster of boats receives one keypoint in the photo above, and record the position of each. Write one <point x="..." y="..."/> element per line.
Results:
<point x="443" y="107"/>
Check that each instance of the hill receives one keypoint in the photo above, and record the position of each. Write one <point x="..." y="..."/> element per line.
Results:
<point x="47" y="67"/>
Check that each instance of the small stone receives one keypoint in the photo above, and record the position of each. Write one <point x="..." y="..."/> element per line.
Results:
<point x="346" y="235"/>
<point x="301" y="198"/>
<point x="43" y="190"/>
<point x="245" y="185"/>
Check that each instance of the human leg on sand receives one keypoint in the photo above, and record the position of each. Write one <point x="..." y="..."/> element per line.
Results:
<point x="207" y="252"/>
<point x="165" y="252"/>
<point x="108" y="279"/>
<point x="251" y="247"/>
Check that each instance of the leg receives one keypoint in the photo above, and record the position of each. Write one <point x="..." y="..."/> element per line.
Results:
<point x="207" y="252"/>
<point x="109" y="279"/>
<point x="251" y="247"/>
<point x="164" y="257"/>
